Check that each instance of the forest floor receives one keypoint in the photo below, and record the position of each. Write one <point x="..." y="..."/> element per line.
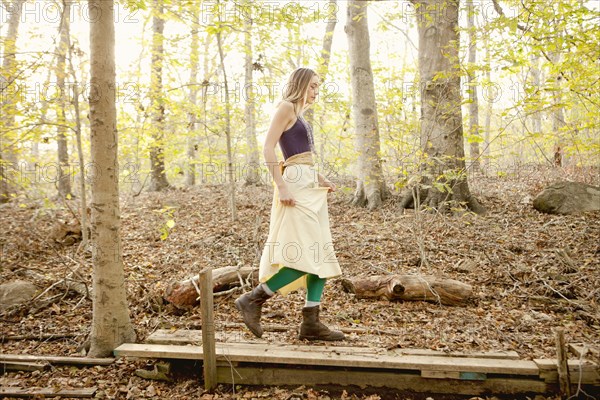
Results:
<point x="531" y="273"/>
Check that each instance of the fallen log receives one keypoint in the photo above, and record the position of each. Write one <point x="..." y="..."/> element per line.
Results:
<point x="40" y="337"/>
<point x="56" y="360"/>
<point x="410" y="288"/>
<point x="23" y="366"/>
<point x="184" y="294"/>
<point x="43" y="393"/>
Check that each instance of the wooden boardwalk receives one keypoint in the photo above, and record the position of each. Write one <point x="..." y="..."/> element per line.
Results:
<point x="261" y="363"/>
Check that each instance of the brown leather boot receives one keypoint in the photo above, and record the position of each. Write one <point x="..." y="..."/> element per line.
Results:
<point x="312" y="329"/>
<point x="250" y="305"/>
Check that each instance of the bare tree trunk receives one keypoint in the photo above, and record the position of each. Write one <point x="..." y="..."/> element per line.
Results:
<point x="558" y="116"/>
<point x="205" y="83"/>
<point x="8" y="103"/>
<point x="558" y="109"/>
<point x="324" y="59"/>
<point x="111" y="325"/>
<point x="370" y="187"/>
<point x="35" y="150"/>
<point x="230" y="176"/>
<point x="472" y="84"/>
<point x="490" y="108"/>
<point x="158" y="177"/>
<point x="252" y="167"/>
<point x="35" y="154"/>
<point x="141" y="114"/>
<point x="442" y="139"/>
<point x="296" y="29"/>
<point x="536" y="118"/>
<point x="191" y="134"/>
<point x="82" y="190"/>
<point x="327" y="41"/>
<point x="324" y="66"/>
<point x="64" y="175"/>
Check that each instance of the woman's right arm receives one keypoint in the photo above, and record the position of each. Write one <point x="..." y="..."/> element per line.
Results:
<point x="283" y="116"/>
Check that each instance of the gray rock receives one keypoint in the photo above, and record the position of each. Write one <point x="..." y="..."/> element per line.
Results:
<point x="568" y="198"/>
<point x="15" y="293"/>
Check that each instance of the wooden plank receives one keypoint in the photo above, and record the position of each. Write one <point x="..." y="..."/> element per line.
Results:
<point x="46" y="392"/>
<point x="184" y="336"/>
<point x="22" y="366"/>
<point x="209" y="366"/>
<point x="502" y="355"/>
<point x="275" y="355"/>
<point x="587" y="377"/>
<point x="549" y="364"/>
<point x="158" y="351"/>
<point x="57" y="359"/>
<point x="394" y="381"/>
<point x="39" y="337"/>
<point x="194" y="336"/>
<point x="464" y="376"/>
<point x="583" y="349"/>
<point x="562" y="367"/>
<point x="440" y="374"/>
<point x="589" y="371"/>
<point x="268" y="354"/>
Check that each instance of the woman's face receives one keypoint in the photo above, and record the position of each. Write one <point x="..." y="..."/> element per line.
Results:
<point x="313" y="90"/>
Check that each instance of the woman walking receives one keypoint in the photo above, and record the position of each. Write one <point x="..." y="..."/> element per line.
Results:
<point x="299" y="250"/>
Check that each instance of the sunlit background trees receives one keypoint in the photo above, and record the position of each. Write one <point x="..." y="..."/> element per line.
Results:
<point x="529" y="76"/>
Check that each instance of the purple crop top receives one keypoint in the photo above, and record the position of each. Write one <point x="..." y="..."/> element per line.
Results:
<point x="297" y="139"/>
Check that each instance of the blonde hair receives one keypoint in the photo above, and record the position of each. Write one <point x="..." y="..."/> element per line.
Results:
<point x="296" y="87"/>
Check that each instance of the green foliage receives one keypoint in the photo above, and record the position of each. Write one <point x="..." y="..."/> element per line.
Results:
<point x="168" y="223"/>
<point x="559" y="40"/>
<point x="134" y="5"/>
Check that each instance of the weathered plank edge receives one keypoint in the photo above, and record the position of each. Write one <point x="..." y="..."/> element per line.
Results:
<point x="582" y="349"/>
<point x="376" y="379"/>
<point x="23" y="366"/>
<point x="589" y="371"/>
<point x="245" y="353"/>
<point x="183" y="337"/>
<point x="31" y="392"/>
<point x="264" y="370"/>
<point x="57" y="359"/>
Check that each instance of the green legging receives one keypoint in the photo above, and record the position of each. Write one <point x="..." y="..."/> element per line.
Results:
<point x="314" y="284"/>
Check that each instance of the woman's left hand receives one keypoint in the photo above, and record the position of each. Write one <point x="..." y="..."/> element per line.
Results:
<point x="328" y="184"/>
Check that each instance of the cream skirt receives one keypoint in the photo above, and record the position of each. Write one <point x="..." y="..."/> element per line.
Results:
<point x="299" y="236"/>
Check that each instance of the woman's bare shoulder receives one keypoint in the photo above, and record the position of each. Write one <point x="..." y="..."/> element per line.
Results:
<point x="286" y="107"/>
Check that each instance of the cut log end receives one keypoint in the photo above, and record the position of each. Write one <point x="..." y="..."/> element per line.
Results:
<point x="398" y="290"/>
<point x="347" y="285"/>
